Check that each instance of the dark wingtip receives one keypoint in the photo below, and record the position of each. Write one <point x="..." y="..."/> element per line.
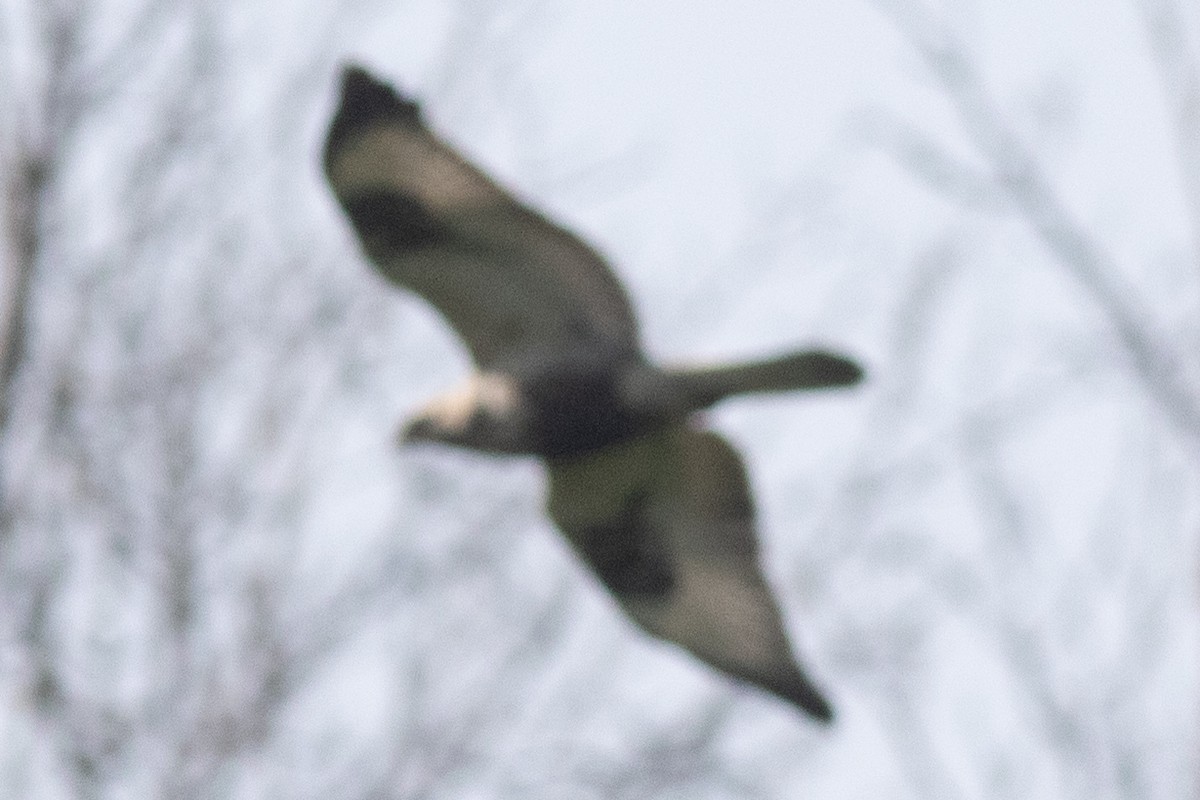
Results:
<point x="365" y="96"/>
<point x="819" y="709"/>
<point x="800" y="692"/>
<point x="365" y="101"/>
<point x="806" y="697"/>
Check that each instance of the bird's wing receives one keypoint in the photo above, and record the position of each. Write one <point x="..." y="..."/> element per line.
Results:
<point x="667" y="523"/>
<point x="512" y="284"/>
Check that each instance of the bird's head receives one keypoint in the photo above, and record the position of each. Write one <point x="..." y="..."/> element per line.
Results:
<point x="486" y="414"/>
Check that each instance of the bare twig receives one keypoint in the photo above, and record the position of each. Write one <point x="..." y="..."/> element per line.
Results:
<point x="1179" y="71"/>
<point x="23" y="203"/>
<point x="1018" y="175"/>
<point x="932" y="163"/>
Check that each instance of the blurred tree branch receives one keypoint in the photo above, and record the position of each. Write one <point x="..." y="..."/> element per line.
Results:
<point x="134" y="501"/>
<point x="169" y="379"/>
<point x="25" y="173"/>
<point x="1179" y="71"/>
<point x="1016" y="176"/>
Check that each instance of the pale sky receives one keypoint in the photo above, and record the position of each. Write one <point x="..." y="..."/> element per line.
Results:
<point x="967" y="550"/>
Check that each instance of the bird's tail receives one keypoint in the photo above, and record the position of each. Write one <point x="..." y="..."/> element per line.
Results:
<point x="810" y="369"/>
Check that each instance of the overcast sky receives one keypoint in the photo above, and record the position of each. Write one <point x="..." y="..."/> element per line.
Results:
<point x="988" y="554"/>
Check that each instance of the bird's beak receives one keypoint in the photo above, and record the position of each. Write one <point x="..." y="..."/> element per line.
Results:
<point x="413" y="431"/>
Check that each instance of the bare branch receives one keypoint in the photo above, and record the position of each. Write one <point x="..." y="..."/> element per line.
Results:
<point x="24" y="189"/>
<point x="1179" y="72"/>
<point x="932" y="163"/>
<point x="1017" y="174"/>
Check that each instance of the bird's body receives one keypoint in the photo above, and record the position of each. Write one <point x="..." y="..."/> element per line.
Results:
<point x="659" y="509"/>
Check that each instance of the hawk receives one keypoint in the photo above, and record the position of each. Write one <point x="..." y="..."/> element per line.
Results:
<point x="658" y="507"/>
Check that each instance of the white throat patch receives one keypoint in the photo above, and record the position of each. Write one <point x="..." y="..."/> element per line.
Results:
<point x="491" y="392"/>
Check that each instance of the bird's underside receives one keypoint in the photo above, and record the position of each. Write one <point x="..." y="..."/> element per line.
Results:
<point x="659" y="509"/>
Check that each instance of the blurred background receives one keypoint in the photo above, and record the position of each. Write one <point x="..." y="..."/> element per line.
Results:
<point x="220" y="579"/>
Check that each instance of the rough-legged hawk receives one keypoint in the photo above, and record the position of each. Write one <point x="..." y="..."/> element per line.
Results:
<point x="659" y="508"/>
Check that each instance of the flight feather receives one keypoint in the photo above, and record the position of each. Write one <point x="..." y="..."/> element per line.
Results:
<point x="659" y="509"/>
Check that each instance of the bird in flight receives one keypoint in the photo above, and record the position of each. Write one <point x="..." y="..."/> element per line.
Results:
<point x="658" y="507"/>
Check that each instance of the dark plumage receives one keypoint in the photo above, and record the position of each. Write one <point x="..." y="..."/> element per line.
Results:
<point x="659" y="509"/>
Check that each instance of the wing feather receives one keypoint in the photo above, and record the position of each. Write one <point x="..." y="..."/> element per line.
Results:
<point x="512" y="284"/>
<point x="667" y="523"/>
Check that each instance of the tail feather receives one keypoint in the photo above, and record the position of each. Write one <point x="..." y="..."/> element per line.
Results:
<point x="811" y="369"/>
